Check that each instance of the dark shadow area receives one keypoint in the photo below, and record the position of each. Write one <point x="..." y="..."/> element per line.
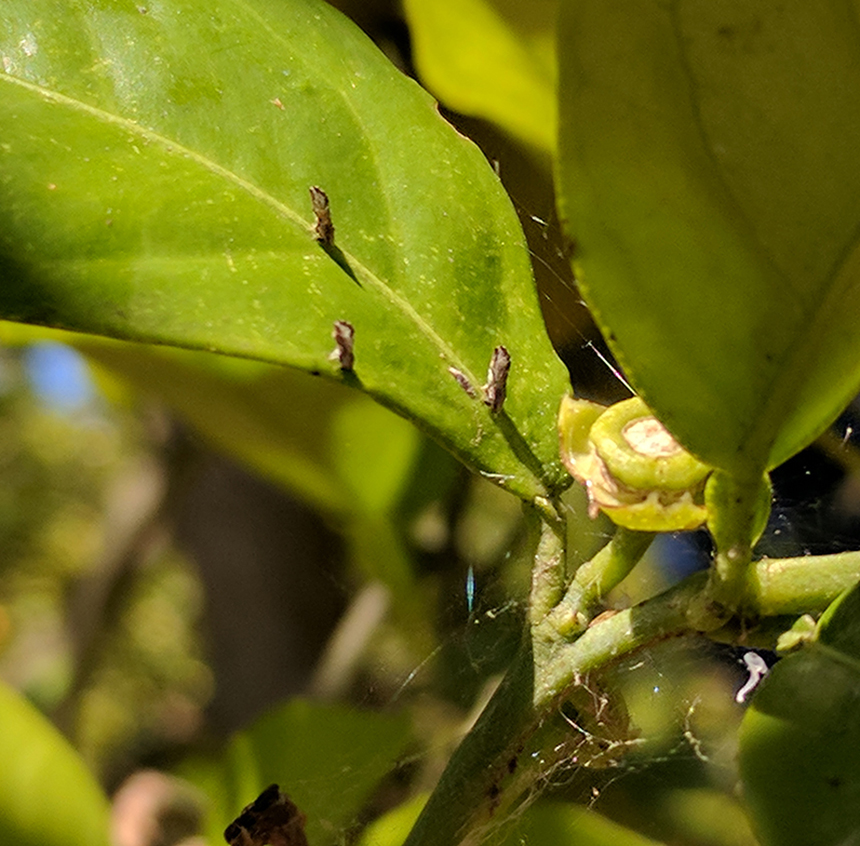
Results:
<point x="270" y="607"/>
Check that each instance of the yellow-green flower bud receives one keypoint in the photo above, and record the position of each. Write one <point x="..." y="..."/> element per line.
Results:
<point x="631" y="466"/>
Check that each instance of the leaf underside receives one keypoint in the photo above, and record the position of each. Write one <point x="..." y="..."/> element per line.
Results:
<point x="708" y="174"/>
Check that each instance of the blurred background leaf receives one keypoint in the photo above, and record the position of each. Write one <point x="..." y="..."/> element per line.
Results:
<point x="493" y="59"/>
<point x="549" y="822"/>
<point x="48" y="797"/>
<point x="328" y="758"/>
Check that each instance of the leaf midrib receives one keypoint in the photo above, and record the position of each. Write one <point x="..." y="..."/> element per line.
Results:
<point x="172" y="147"/>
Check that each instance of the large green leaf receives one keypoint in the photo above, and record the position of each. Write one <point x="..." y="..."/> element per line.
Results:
<point x="490" y="58"/>
<point x="154" y="174"/>
<point x="709" y="175"/>
<point x="800" y="739"/>
<point x="47" y="795"/>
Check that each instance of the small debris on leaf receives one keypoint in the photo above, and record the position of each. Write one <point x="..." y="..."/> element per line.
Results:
<point x="463" y="382"/>
<point x="344" y="336"/>
<point x="323" y="228"/>
<point x="497" y="379"/>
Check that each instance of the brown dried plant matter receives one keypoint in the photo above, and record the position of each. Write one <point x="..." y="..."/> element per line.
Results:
<point x="270" y="820"/>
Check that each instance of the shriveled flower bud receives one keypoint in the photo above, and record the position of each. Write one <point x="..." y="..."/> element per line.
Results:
<point x="632" y="467"/>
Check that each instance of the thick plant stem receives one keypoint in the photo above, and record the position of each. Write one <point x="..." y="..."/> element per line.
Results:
<point x="468" y="794"/>
<point x="737" y="513"/>
<point x="489" y="771"/>
<point x="473" y="788"/>
<point x="479" y="781"/>
<point x="549" y="572"/>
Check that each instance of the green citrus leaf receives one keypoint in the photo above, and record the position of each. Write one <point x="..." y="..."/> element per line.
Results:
<point x="708" y="174"/>
<point x="47" y="795"/>
<point x="493" y="59"/>
<point x="155" y="166"/>
<point x="800" y="738"/>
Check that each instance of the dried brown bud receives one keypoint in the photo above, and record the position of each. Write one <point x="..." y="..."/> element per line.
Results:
<point x="497" y="379"/>
<point x="323" y="227"/>
<point x="344" y="335"/>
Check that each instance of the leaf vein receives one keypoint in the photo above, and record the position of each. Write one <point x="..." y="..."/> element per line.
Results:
<point x="175" y="148"/>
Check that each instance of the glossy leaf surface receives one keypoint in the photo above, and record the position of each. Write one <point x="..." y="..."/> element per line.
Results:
<point x="708" y="175"/>
<point x="800" y="738"/>
<point x="493" y="59"/>
<point x="155" y="165"/>
<point x="47" y="795"/>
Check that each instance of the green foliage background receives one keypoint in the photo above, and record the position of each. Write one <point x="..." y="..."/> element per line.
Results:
<point x="155" y="160"/>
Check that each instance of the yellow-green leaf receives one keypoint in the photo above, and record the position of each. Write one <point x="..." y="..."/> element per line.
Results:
<point x="493" y="59"/>
<point x="709" y="176"/>
<point x="155" y="166"/>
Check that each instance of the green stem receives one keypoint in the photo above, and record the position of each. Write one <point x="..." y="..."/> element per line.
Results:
<point x="469" y="792"/>
<point x="613" y="637"/>
<point x="549" y="572"/>
<point x="595" y="578"/>
<point x="737" y="511"/>
<point x="466" y="796"/>
<point x="489" y="771"/>
<point x="803" y="585"/>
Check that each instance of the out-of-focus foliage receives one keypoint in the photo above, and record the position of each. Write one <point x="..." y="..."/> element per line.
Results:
<point x="71" y="484"/>
<point x="55" y="472"/>
<point x="301" y="744"/>
<point x="493" y="59"/>
<point x="47" y="795"/>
